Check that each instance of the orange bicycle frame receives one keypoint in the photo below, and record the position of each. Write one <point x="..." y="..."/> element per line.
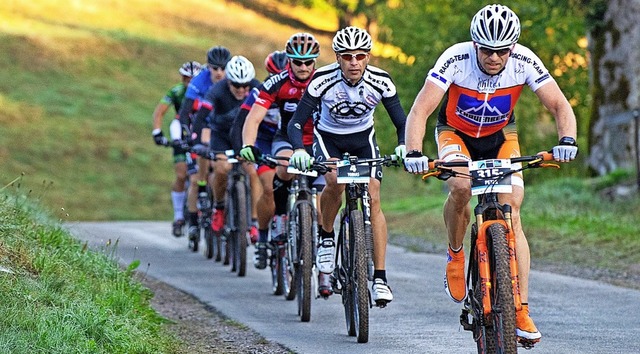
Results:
<point x="484" y="269"/>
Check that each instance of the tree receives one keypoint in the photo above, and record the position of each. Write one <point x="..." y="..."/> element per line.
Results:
<point x="614" y="36"/>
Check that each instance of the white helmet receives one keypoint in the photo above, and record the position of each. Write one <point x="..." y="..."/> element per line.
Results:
<point x="495" y="26"/>
<point x="351" y="38"/>
<point x="239" y="70"/>
<point x="190" y="69"/>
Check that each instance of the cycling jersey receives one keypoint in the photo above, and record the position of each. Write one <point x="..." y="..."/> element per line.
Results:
<point x="346" y="108"/>
<point x="174" y="96"/>
<point x="220" y="106"/>
<point x="267" y="128"/>
<point x="478" y="104"/>
<point x="285" y="92"/>
<point x="198" y="87"/>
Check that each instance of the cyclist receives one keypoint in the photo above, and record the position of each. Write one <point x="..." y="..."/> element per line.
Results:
<point x="346" y="94"/>
<point x="483" y="79"/>
<point x="275" y="62"/>
<point x="217" y="59"/>
<point x="174" y="97"/>
<point x="221" y="105"/>
<point x="284" y="89"/>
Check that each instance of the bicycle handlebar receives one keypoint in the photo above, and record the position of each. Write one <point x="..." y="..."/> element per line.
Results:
<point x="443" y="170"/>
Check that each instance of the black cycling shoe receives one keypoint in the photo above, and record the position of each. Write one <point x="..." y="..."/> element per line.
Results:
<point x="177" y="227"/>
<point x="260" y="257"/>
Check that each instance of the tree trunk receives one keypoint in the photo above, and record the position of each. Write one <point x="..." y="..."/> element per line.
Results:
<point x="615" y="57"/>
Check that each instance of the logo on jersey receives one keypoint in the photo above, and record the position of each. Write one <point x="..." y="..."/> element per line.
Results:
<point x="290" y="106"/>
<point x="349" y="112"/>
<point x="479" y="112"/>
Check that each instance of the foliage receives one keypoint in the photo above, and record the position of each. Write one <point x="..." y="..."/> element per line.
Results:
<point x="58" y="297"/>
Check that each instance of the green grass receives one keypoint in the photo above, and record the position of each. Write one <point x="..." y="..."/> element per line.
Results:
<point x="58" y="297"/>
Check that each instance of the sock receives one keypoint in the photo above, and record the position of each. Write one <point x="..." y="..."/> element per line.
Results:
<point x="280" y="194"/>
<point x="177" y="199"/>
<point x="263" y="235"/>
<point x="219" y="205"/>
<point x="456" y="250"/>
<point x="381" y="274"/>
<point x="202" y="186"/>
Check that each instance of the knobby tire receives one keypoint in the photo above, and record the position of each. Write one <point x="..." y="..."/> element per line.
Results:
<point x="343" y="269"/>
<point x="242" y="227"/>
<point x="503" y="309"/>
<point x="305" y="268"/>
<point x="360" y="278"/>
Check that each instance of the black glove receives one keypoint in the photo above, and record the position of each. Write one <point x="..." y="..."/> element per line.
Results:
<point x="159" y="138"/>
<point x="181" y="144"/>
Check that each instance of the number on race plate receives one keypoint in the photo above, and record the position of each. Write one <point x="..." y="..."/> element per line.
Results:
<point x="486" y="176"/>
<point x="348" y="173"/>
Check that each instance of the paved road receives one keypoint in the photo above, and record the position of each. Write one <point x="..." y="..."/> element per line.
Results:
<point x="574" y="315"/>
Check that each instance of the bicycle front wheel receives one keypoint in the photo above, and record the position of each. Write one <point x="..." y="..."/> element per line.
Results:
<point x="305" y="235"/>
<point x="503" y="310"/>
<point x="343" y="271"/>
<point x="241" y="227"/>
<point x="359" y="276"/>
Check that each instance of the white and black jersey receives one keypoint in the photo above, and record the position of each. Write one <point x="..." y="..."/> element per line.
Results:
<point x="344" y="108"/>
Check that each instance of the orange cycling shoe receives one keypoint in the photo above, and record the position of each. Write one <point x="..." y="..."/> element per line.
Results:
<point x="525" y="328"/>
<point x="454" y="282"/>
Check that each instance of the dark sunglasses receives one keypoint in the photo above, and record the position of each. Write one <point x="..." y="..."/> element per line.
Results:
<point x="215" y="68"/>
<point x="489" y="52"/>
<point x="297" y="62"/>
<point x="349" y="56"/>
<point x="238" y="85"/>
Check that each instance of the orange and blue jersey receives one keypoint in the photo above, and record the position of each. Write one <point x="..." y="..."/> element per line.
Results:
<point x="478" y="104"/>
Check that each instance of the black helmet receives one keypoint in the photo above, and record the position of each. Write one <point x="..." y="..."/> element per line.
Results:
<point x="218" y="56"/>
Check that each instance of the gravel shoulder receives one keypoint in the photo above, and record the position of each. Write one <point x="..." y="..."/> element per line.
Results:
<point x="201" y="328"/>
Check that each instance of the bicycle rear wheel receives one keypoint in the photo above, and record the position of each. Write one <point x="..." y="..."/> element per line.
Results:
<point x="359" y="276"/>
<point x="275" y="263"/>
<point x="305" y="234"/>
<point x="290" y="259"/>
<point x="208" y="242"/>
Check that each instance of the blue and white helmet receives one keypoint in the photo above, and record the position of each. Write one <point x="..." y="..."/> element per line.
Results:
<point x="239" y="70"/>
<point x="495" y="26"/>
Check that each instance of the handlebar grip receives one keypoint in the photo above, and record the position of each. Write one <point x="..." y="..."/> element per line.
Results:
<point x="546" y="155"/>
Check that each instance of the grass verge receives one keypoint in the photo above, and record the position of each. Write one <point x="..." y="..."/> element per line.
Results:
<point x="59" y="297"/>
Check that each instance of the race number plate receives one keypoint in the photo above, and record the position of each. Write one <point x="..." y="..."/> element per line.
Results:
<point x="488" y="176"/>
<point x="294" y="171"/>
<point x="348" y="173"/>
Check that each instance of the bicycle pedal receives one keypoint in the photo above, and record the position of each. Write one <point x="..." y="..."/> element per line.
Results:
<point x="527" y="343"/>
<point x="382" y="303"/>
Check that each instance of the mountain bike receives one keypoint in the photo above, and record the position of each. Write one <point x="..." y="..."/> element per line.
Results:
<point x="354" y="248"/>
<point x="237" y="214"/>
<point x="215" y="243"/>
<point x="294" y="258"/>
<point x="493" y="294"/>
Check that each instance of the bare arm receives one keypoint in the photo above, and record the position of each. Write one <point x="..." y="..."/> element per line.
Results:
<point x="552" y="98"/>
<point x="425" y="103"/>
<point x="250" y="128"/>
<point x="158" y="114"/>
